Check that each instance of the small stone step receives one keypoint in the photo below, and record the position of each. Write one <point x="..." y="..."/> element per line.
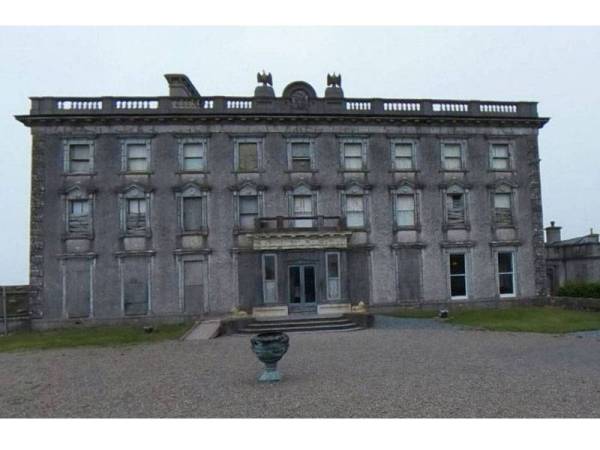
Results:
<point x="296" y="323"/>
<point x="345" y="326"/>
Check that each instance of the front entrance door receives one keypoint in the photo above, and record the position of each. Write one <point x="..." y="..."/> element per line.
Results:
<point x="303" y="292"/>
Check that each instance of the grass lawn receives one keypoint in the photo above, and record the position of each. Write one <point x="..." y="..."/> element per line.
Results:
<point x="80" y="336"/>
<point x="535" y="319"/>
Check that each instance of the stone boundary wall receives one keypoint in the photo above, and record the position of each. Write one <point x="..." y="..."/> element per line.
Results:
<point x="577" y="303"/>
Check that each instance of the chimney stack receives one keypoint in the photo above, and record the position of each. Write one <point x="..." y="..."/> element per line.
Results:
<point x="552" y="233"/>
<point x="180" y="86"/>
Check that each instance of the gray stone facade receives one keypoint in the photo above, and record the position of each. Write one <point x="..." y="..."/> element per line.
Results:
<point x="190" y="205"/>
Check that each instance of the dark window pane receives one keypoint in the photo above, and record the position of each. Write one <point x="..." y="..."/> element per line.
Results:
<point x="309" y="284"/>
<point x="269" y="261"/>
<point x="458" y="286"/>
<point x="457" y="264"/>
<point x="248" y="156"/>
<point x="295" y="291"/>
<point x="505" y="262"/>
<point x="506" y="283"/>
<point x="332" y="265"/>
<point x="192" y="213"/>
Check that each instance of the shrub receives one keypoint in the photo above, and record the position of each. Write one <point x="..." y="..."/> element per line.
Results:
<point x="580" y="289"/>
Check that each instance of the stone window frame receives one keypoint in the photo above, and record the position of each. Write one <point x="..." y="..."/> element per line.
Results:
<point x="181" y="143"/>
<point x="456" y="188"/>
<point x="406" y="188"/>
<point x="355" y="189"/>
<point x="192" y="190"/>
<point x="414" y="143"/>
<point x="339" y="277"/>
<point x="260" y="144"/>
<point x="311" y="148"/>
<point x="303" y="189"/>
<point x="468" y="272"/>
<point x="503" y="187"/>
<point x="463" y="154"/>
<point x="511" y="152"/>
<point x="67" y="143"/>
<point x="180" y="260"/>
<point x="77" y="192"/>
<point x="63" y="271"/>
<point x="246" y="189"/>
<point x="125" y="142"/>
<point x="135" y="191"/>
<point x="150" y="270"/>
<point x="513" y="251"/>
<point x="264" y="279"/>
<point x="364" y="142"/>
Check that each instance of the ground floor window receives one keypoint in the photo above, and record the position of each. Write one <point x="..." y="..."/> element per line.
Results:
<point x="458" y="275"/>
<point x="269" y="264"/>
<point x="506" y="274"/>
<point x="333" y="275"/>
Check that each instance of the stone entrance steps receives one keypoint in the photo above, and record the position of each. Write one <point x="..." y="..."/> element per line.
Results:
<point x="335" y="323"/>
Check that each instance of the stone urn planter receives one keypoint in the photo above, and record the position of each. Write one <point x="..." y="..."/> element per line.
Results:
<point x="270" y="348"/>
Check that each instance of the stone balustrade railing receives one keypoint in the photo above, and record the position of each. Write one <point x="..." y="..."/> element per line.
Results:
<point x="266" y="106"/>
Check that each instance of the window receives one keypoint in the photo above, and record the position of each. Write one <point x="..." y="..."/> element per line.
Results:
<point x="79" y="216"/>
<point x="303" y="207"/>
<point x="355" y="211"/>
<point x="506" y="281"/>
<point x="333" y="275"/>
<point x="247" y="153"/>
<point x="79" y="158"/>
<point x="403" y="156"/>
<point x="137" y="157"/>
<point x="193" y="156"/>
<point x="192" y="213"/>
<point x="269" y="279"/>
<point x="353" y="156"/>
<point x="458" y="275"/>
<point x="452" y="156"/>
<point x="300" y="155"/>
<point x="405" y="210"/>
<point x="500" y="157"/>
<point x="248" y="208"/>
<point x="455" y="208"/>
<point x="503" y="209"/>
<point x="136" y="214"/>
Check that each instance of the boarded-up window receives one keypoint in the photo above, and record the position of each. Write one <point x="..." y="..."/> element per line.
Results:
<point x="353" y="156"/>
<point x="409" y="274"/>
<point x="137" y="158"/>
<point x="455" y="209"/>
<point x="300" y="154"/>
<point x="403" y="156"/>
<point x="248" y="205"/>
<point x="80" y="158"/>
<point x="77" y="287"/>
<point x="192" y="213"/>
<point x="79" y="216"/>
<point x="452" y="156"/>
<point x="193" y="286"/>
<point x="503" y="209"/>
<point x="355" y="211"/>
<point x="136" y="214"/>
<point x="135" y="285"/>
<point x="193" y="156"/>
<point x="248" y="156"/>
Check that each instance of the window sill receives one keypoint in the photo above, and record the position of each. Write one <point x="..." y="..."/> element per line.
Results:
<point x="511" y="171"/>
<point x="353" y="171"/>
<point x="503" y="227"/>
<point x="192" y="172"/>
<point x="453" y="170"/>
<point x="79" y="174"/>
<point x="202" y="232"/>
<point x="507" y="295"/>
<point x="404" y="170"/>
<point x="459" y="298"/>
<point x="144" y="234"/>
<point x="407" y="228"/>
<point x="248" y="171"/>
<point x="464" y="226"/>
<point x="145" y="172"/>
<point x="86" y="236"/>
<point x="301" y="171"/>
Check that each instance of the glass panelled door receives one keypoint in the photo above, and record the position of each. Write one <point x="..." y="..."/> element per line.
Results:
<point x="302" y="284"/>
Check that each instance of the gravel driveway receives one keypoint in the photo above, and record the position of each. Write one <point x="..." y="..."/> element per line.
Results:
<point x="392" y="370"/>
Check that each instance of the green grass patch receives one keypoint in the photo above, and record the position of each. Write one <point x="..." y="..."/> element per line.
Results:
<point x="409" y="313"/>
<point x="533" y="319"/>
<point x="85" y="336"/>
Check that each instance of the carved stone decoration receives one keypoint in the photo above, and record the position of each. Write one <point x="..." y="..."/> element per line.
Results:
<point x="334" y="80"/>
<point x="304" y="240"/>
<point x="265" y="78"/>
<point x="299" y="99"/>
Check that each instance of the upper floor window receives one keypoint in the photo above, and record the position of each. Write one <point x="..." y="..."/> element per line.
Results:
<point x="136" y="155"/>
<point x="403" y="155"/>
<point x="136" y="214"/>
<point x="355" y="211"/>
<point x="248" y="155"/>
<point x="192" y="208"/>
<point x="405" y="210"/>
<point x="353" y="154"/>
<point x="503" y="208"/>
<point x="192" y="155"/>
<point x="300" y="156"/>
<point x="78" y="211"/>
<point x="135" y="217"/>
<point x="248" y="208"/>
<point x="302" y="203"/>
<point x="453" y="157"/>
<point x="455" y="207"/>
<point x="500" y="156"/>
<point x="78" y="156"/>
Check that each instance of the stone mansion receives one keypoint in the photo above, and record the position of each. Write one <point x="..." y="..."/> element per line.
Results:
<point x="186" y="205"/>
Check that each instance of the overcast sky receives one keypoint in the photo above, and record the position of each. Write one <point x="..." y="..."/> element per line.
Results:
<point x="558" y="67"/>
